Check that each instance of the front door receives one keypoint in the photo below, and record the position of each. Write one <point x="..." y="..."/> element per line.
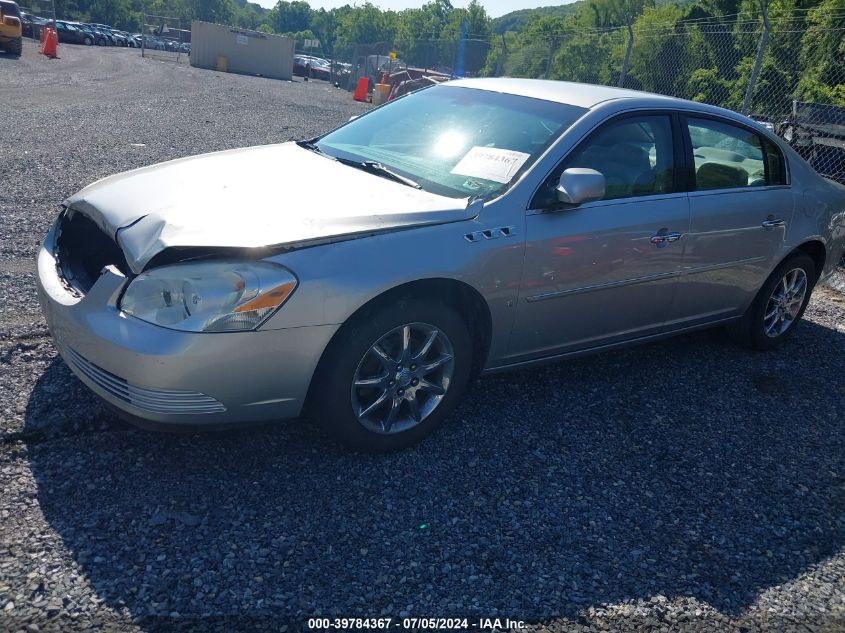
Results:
<point x="606" y="270"/>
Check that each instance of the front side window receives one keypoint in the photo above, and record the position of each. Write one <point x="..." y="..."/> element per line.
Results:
<point x="634" y="154"/>
<point x="725" y="156"/>
<point x="455" y="141"/>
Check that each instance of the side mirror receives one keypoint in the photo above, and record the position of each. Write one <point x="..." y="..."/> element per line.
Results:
<point x="579" y="184"/>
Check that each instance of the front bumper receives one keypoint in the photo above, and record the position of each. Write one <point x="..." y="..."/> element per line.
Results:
<point x="172" y="377"/>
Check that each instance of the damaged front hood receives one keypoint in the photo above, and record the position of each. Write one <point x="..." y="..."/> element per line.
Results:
<point x="272" y="195"/>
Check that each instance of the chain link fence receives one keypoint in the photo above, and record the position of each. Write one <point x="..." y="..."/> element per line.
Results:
<point x="784" y="69"/>
<point x="166" y="38"/>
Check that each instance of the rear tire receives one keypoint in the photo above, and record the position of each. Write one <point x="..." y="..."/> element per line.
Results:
<point x="779" y="305"/>
<point x="88" y="41"/>
<point x="337" y="400"/>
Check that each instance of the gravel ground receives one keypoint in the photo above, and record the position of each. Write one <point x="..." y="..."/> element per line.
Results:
<point x="686" y="485"/>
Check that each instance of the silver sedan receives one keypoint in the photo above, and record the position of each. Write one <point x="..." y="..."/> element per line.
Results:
<point x="366" y="275"/>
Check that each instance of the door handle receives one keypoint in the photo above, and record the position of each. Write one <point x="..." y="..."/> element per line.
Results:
<point x="661" y="239"/>
<point x="771" y="222"/>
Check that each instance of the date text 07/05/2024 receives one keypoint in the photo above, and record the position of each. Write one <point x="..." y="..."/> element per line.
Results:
<point x="416" y="623"/>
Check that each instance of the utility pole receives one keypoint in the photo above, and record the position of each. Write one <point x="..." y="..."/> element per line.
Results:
<point x="500" y="65"/>
<point x="627" y="61"/>
<point x="758" y="61"/>
<point x="143" y="29"/>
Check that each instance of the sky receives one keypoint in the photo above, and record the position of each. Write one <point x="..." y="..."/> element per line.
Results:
<point x="495" y="8"/>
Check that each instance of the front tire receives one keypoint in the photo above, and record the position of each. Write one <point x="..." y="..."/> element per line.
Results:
<point x="779" y="304"/>
<point x="392" y="375"/>
<point x="16" y="46"/>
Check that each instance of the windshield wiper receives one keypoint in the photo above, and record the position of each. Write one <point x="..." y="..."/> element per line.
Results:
<point x="372" y="166"/>
<point x="309" y="143"/>
<point x="375" y="167"/>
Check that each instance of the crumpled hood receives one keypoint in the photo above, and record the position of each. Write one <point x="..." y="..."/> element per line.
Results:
<point x="272" y="195"/>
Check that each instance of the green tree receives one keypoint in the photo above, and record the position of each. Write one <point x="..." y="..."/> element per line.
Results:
<point x="479" y="29"/>
<point x="324" y="25"/>
<point x="248" y="17"/>
<point x="366" y="24"/>
<point x="219" y="11"/>
<point x="823" y="55"/>
<point x="290" y="17"/>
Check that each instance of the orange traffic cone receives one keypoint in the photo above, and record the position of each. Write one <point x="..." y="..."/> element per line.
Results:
<point x="51" y="43"/>
<point x="361" y="89"/>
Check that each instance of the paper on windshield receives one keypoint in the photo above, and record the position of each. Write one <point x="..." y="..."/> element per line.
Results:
<point x="490" y="163"/>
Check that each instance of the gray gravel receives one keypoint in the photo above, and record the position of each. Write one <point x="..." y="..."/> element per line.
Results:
<point x="686" y="485"/>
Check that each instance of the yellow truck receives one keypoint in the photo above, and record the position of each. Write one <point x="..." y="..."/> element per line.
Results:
<point x="11" y="31"/>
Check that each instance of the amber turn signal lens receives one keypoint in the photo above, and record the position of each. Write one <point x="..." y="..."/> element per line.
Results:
<point x="270" y="299"/>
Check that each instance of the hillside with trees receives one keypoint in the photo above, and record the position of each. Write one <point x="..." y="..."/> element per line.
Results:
<point x="516" y="20"/>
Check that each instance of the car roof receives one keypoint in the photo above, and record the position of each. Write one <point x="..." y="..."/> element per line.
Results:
<point x="568" y="92"/>
<point x="590" y="95"/>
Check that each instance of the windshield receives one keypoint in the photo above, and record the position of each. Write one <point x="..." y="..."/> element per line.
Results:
<point x="455" y="141"/>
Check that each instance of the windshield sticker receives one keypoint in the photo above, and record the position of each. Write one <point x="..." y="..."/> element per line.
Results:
<point x="490" y="163"/>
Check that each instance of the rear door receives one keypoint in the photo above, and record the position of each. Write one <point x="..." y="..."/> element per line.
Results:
<point x="740" y="210"/>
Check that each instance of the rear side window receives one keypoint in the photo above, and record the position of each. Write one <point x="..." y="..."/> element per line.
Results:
<point x="726" y="156"/>
<point x="776" y="169"/>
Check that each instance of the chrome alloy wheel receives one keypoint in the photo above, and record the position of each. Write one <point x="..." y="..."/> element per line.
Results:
<point x="785" y="302"/>
<point x="402" y="378"/>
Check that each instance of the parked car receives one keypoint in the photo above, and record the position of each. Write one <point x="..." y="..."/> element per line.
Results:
<point x="300" y="66"/>
<point x="69" y="33"/>
<point x="118" y="37"/>
<point x="26" y="24"/>
<point x="154" y="43"/>
<point x="503" y="223"/>
<point x="84" y="28"/>
<point x="105" y="36"/>
<point x="11" y="28"/>
<point x="95" y="36"/>
<point x="319" y="68"/>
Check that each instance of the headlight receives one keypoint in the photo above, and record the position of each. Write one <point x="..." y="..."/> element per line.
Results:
<point x="209" y="297"/>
